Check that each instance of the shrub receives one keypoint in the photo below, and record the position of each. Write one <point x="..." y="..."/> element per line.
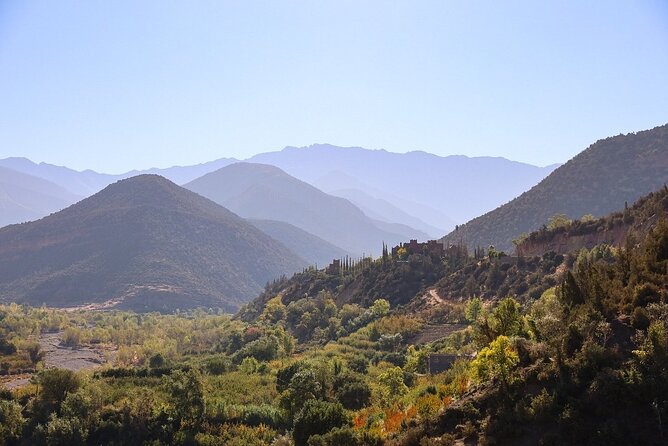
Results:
<point x="336" y="437"/>
<point x="317" y="418"/>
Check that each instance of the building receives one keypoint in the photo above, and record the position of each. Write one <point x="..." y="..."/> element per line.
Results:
<point x="431" y="247"/>
<point x="334" y="267"/>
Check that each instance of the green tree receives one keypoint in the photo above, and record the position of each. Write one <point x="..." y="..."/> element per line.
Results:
<point x="392" y="384"/>
<point x="187" y="394"/>
<point x="11" y="422"/>
<point x="54" y="386"/>
<point x="304" y="386"/>
<point x="498" y="360"/>
<point x="380" y="307"/>
<point x="473" y="309"/>
<point x="507" y="318"/>
<point x="558" y="221"/>
<point x="317" y="418"/>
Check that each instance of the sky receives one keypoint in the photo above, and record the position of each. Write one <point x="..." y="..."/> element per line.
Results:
<point x="123" y="85"/>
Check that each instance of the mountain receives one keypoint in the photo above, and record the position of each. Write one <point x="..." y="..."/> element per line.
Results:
<point x="372" y="200"/>
<point x="143" y="243"/>
<point x="314" y="250"/>
<point x="405" y="231"/>
<point x="25" y="197"/>
<point x="383" y="210"/>
<point x="88" y="182"/>
<point x="598" y="181"/>
<point x="459" y="186"/>
<point x="259" y="191"/>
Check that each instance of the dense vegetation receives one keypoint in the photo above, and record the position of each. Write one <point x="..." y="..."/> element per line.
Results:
<point x="146" y="244"/>
<point x="546" y="350"/>
<point x="590" y="351"/>
<point x="596" y="182"/>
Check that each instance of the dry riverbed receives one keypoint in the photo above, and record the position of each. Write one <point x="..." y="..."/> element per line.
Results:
<point x="57" y="355"/>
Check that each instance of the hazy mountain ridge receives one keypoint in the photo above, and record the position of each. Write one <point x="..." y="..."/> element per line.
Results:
<point x="459" y="186"/>
<point x="88" y="182"/>
<point x="309" y="247"/>
<point x="601" y="179"/>
<point x="25" y="197"/>
<point x="145" y="243"/>
<point x="258" y="191"/>
<point x="383" y="210"/>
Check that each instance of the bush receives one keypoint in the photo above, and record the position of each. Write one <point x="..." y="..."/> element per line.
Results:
<point x="358" y="364"/>
<point x="317" y="418"/>
<point x="71" y="337"/>
<point x="336" y="437"/>
<point x="218" y="365"/>
<point x="640" y="319"/>
<point x="354" y="395"/>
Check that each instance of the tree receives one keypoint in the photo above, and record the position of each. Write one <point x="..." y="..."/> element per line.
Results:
<point x="380" y="307"/>
<point x="187" y="393"/>
<point x="392" y="383"/>
<point x="558" y="221"/>
<point x="352" y="391"/>
<point x="274" y="311"/>
<point x="35" y="353"/>
<point x="339" y="436"/>
<point x="473" y="309"/>
<point x="317" y="418"/>
<point x="496" y="361"/>
<point x="156" y="361"/>
<point x="507" y="318"/>
<point x="54" y="386"/>
<point x="11" y="422"/>
<point x="304" y="386"/>
<point x="571" y="293"/>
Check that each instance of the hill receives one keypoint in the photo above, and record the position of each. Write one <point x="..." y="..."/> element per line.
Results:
<point x="143" y="243"/>
<point x="459" y="186"/>
<point x="598" y="181"/>
<point x="259" y="191"/>
<point x="314" y="250"/>
<point x="25" y="197"/>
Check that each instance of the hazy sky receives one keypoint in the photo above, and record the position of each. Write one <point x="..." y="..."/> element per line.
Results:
<point x="132" y="84"/>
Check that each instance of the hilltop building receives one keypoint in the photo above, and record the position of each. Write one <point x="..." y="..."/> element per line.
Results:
<point x="431" y="247"/>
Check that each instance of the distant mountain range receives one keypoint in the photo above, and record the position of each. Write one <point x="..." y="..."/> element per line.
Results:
<point x="425" y="192"/>
<point x="457" y="186"/>
<point x="25" y="197"/>
<point x="88" y="182"/>
<point x="603" y="178"/>
<point x="259" y="191"/>
<point x="143" y="243"/>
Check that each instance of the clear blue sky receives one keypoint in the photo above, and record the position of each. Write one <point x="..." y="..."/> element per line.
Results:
<point x="132" y="84"/>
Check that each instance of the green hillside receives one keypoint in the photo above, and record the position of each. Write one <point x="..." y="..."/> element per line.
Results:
<point x="142" y="243"/>
<point x="598" y="181"/>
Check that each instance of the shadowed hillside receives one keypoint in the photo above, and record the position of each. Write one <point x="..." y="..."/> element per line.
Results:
<point x="600" y="180"/>
<point x="142" y="243"/>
